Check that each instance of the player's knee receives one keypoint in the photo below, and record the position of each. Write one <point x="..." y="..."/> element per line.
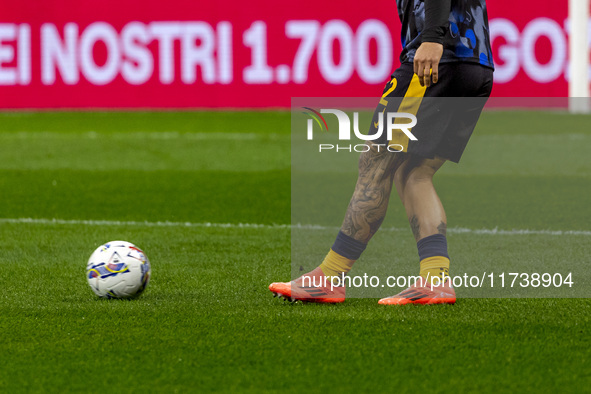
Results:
<point x="421" y="174"/>
<point x="413" y="173"/>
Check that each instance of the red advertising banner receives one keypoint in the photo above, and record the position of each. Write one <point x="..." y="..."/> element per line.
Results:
<point x="530" y="47"/>
<point x="234" y="54"/>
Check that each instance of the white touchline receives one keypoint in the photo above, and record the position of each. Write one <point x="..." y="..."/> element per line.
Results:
<point x="453" y="230"/>
<point x="151" y="135"/>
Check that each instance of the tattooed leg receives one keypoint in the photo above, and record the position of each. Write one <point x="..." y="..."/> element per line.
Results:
<point x="414" y="183"/>
<point x="369" y="203"/>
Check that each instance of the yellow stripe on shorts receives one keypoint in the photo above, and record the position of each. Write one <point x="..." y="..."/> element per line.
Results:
<point x="410" y="105"/>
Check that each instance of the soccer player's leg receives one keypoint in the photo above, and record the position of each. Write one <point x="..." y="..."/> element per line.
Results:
<point x="365" y="213"/>
<point x="414" y="183"/>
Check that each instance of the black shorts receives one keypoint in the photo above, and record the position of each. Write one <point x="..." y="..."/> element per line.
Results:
<point x="446" y="112"/>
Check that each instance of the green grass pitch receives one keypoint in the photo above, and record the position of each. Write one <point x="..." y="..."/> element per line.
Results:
<point x="207" y="321"/>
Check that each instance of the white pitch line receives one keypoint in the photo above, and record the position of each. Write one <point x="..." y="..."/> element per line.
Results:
<point x="453" y="230"/>
<point x="494" y="231"/>
<point x="142" y="224"/>
<point x="143" y="135"/>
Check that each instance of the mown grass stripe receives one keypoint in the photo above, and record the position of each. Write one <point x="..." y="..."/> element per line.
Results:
<point x="453" y="230"/>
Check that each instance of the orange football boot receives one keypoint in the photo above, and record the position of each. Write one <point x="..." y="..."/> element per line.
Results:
<point x="422" y="293"/>
<point x="310" y="287"/>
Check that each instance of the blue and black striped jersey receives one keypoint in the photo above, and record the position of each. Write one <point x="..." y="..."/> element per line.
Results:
<point x="465" y="36"/>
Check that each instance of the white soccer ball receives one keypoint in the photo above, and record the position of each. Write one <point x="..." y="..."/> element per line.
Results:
<point x="118" y="269"/>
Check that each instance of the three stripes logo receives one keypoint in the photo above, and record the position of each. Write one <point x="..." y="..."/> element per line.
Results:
<point x="413" y="294"/>
<point x="314" y="291"/>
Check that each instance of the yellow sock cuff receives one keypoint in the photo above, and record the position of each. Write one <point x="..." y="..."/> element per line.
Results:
<point x="434" y="266"/>
<point x="334" y="264"/>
